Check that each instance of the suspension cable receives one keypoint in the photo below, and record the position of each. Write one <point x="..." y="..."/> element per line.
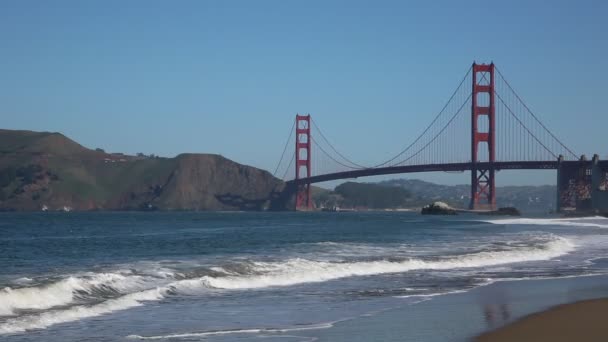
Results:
<point x="524" y="126"/>
<point x="334" y="149"/>
<point x="431" y="124"/>
<point x="288" y="166"/>
<point x="285" y="148"/>
<point x="439" y="133"/>
<point x="534" y="116"/>
<point x="330" y="157"/>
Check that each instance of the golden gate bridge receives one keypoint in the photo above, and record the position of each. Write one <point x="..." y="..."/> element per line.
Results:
<point x="484" y="127"/>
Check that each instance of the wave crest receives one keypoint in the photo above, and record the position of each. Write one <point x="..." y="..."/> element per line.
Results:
<point x="298" y="271"/>
<point x="67" y="291"/>
<point x="601" y="222"/>
<point x="104" y="293"/>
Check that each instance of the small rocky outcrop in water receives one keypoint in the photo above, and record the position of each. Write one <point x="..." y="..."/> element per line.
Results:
<point x="438" y="208"/>
<point x="507" y="211"/>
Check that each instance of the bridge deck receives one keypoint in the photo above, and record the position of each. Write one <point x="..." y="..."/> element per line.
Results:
<point x="451" y="167"/>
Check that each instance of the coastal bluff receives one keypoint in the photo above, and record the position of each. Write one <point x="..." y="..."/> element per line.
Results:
<point x="48" y="171"/>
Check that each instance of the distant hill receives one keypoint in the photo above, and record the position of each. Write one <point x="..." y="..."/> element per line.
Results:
<point x="42" y="169"/>
<point x="418" y="193"/>
<point x="365" y="195"/>
<point x="527" y="198"/>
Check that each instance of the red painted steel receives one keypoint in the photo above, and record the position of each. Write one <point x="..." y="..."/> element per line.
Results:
<point x="483" y="189"/>
<point x="303" y="160"/>
<point x="482" y="165"/>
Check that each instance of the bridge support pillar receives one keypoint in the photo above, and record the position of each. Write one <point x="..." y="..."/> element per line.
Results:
<point x="599" y="186"/>
<point x="574" y="186"/>
<point x="303" y="162"/>
<point x="483" y="188"/>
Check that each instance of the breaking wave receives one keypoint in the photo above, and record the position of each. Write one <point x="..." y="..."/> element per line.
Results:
<point x="48" y="318"/>
<point x="298" y="271"/>
<point x="95" y="294"/>
<point x="67" y="291"/>
<point x="600" y="222"/>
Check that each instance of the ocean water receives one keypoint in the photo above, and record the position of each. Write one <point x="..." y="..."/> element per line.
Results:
<point x="275" y="276"/>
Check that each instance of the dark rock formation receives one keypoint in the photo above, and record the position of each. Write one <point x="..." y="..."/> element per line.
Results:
<point x="47" y="170"/>
<point x="437" y="208"/>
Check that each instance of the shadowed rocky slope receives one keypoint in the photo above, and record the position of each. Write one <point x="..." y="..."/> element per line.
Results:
<point x="40" y="169"/>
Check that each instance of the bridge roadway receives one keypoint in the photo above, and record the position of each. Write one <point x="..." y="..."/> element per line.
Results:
<point x="449" y="167"/>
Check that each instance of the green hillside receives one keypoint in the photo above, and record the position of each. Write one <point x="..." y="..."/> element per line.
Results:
<point x="363" y="195"/>
<point x="40" y="169"/>
<point x="413" y="193"/>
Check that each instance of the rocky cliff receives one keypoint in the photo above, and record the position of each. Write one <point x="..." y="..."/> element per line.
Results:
<point x="47" y="170"/>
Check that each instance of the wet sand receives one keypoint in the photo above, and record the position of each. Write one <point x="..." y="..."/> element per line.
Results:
<point x="460" y="317"/>
<point x="581" y="321"/>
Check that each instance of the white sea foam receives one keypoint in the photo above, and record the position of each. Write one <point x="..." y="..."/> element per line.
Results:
<point x="59" y="293"/>
<point x="48" y="318"/>
<point x="298" y="271"/>
<point x="70" y="299"/>
<point x="65" y="291"/>
<point x="65" y="298"/>
<point x="347" y="249"/>
<point x="235" y="331"/>
<point x="340" y="250"/>
<point x="427" y="296"/>
<point x="602" y="222"/>
<point x="23" y="280"/>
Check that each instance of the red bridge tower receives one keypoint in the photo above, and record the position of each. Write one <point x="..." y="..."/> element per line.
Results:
<point x="483" y="194"/>
<point x="303" y="161"/>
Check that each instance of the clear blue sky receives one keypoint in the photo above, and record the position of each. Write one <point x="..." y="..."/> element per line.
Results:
<point x="227" y="77"/>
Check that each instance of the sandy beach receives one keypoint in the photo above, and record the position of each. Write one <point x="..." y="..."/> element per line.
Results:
<point x="489" y="313"/>
<point x="581" y="321"/>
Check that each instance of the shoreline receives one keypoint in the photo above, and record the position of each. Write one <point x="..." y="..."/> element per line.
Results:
<point x="468" y="315"/>
<point x="579" y="321"/>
